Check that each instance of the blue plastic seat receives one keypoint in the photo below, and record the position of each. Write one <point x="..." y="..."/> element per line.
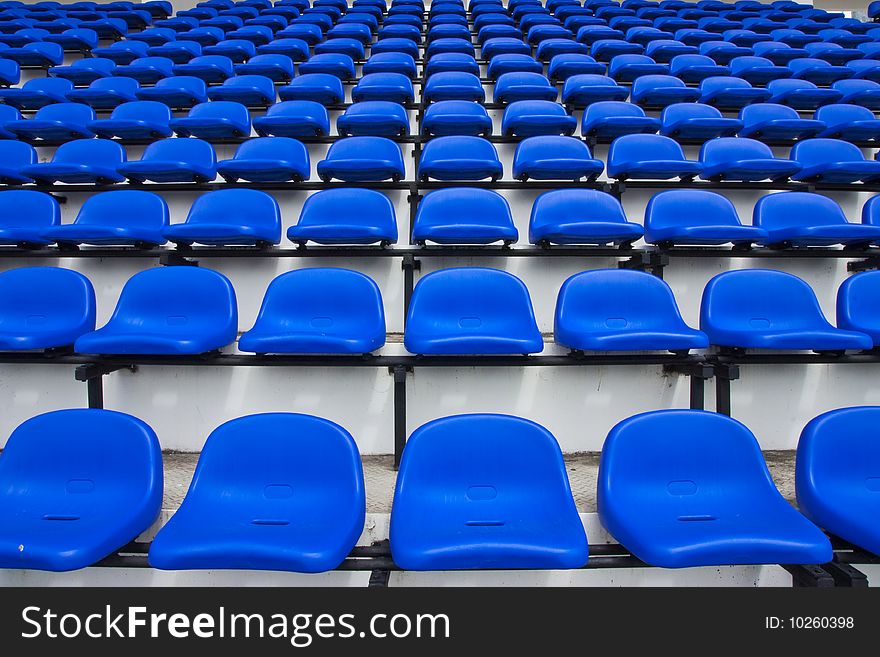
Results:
<point x="257" y="34"/>
<point x="400" y="31"/>
<point x="229" y="217"/>
<point x="745" y="38"/>
<point x="453" y="85"/>
<point x="168" y="311"/>
<point x="10" y="72"/>
<point x="865" y="69"/>
<point x="267" y="159"/>
<point x="833" y="161"/>
<point x="682" y="488"/>
<point x="391" y="62"/>
<point x="241" y="512"/>
<point x="848" y="122"/>
<point x="804" y="219"/>
<point x="471" y="310"/>
<point x="645" y="315"/>
<point x="664" y="50"/>
<point x="38" y="53"/>
<point x="75" y="38"/>
<point x="311" y="34"/>
<point x="605" y="50"/>
<point x="318" y="87"/>
<point x="270" y="56"/>
<point x="794" y="38"/>
<point x="319" y="310"/>
<point x="742" y="159"/>
<point x="610" y="119"/>
<point x="459" y="158"/>
<point x="106" y="93"/>
<point x="553" y="157"/>
<point x="50" y="461"/>
<point x="78" y="161"/>
<point x="696" y="217"/>
<point x="209" y="68"/>
<point x="696" y="121"/>
<point x="294" y="118"/>
<point x="456" y="117"/>
<point x="553" y="47"/>
<point x="349" y="47"/>
<point x="14" y="156"/>
<point x="116" y="218"/>
<point x="327" y="218"/>
<point x="391" y="87"/>
<point x="580" y="216"/>
<point x="583" y="90"/>
<point x="646" y="34"/>
<point x="833" y="53"/>
<point x="492" y="48"/>
<point x="837" y="460"/>
<point x="722" y="52"/>
<point x="362" y="159"/>
<point x="649" y="156"/>
<point x="173" y="160"/>
<point x="178" y="52"/>
<point x="248" y="90"/>
<point x="451" y="62"/>
<point x="801" y="94"/>
<point x="37" y="93"/>
<point x="84" y="71"/>
<point x="856" y="92"/>
<point x="529" y="118"/>
<point x="565" y="65"/>
<point x="373" y="118"/>
<point x="456" y="506"/>
<point x="696" y="68"/>
<point x="695" y="37"/>
<point x="25" y="215"/>
<point x="757" y="70"/>
<point x="147" y="70"/>
<point x="818" y="71"/>
<point x="661" y="90"/>
<point x="779" y="53"/>
<point x="513" y="87"/>
<point x="460" y="215"/>
<point x="142" y="119"/>
<point x="397" y="45"/>
<point x="204" y="36"/>
<point x="219" y="119"/>
<point x="178" y="91"/>
<point x="730" y="93"/>
<point x="123" y="52"/>
<point x="237" y="50"/>
<point x="58" y="122"/>
<point x="513" y="63"/>
<point x="764" y="309"/>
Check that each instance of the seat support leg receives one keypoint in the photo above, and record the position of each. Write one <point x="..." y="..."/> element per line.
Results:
<point x="410" y="265"/>
<point x="724" y="374"/>
<point x="399" y="374"/>
<point x="93" y="375"/>
<point x="698" y="373"/>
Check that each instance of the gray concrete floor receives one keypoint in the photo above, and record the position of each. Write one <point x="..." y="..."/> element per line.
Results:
<point x="379" y="477"/>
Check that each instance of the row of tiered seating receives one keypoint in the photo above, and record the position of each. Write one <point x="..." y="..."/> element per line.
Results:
<point x="451" y="216"/>
<point x="286" y="492"/>
<point x="457" y="311"/>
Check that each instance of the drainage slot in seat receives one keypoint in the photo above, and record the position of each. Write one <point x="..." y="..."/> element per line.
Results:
<point x="696" y="518"/>
<point x="484" y="523"/>
<point x="263" y="521"/>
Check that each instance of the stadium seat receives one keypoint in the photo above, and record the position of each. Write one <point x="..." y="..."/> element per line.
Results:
<point x="15" y="155"/>
<point x="229" y="217"/>
<point x="106" y="93"/>
<point x="779" y="53"/>
<point x="857" y="305"/>
<point x="208" y="68"/>
<point x="661" y="90"/>
<point x="610" y="119"/>
<point x="75" y="38"/>
<point x="390" y="87"/>
<point x="77" y="485"/>
<point x="605" y="50"/>
<point x="58" y="122"/>
<point x="458" y="506"/>
<point x="373" y="118"/>
<point x="25" y="215"/>
<point x="459" y="158"/>
<point x="818" y="71"/>
<point x="696" y="121"/>
<point x="645" y="315"/>
<point x="471" y="310"/>
<point x="244" y="485"/>
<point x="204" y="36"/>
<point x="833" y="53"/>
<point x="326" y="218"/>
<point x="37" y="93"/>
<point x="696" y="68"/>
<point x="563" y="66"/>
<point x="219" y="119"/>
<point x="267" y="159"/>
<point x="722" y="52"/>
<point x="453" y="85"/>
<point x="696" y="217"/>
<point x="456" y="117"/>
<point x="836" y="471"/>
<point x="396" y="45"/>
<point x="319" y="87"/>
<point x="84" y="71"/>
<point x="318" y="311"/>
<point x="741" y="159"/>
<point x="237" y="50"/>
<point x="865" y="69"/>
<point x="529" y="118"/>
<point x="179" y="52"/>
<point x="39" y="53"/>
<point x="702" y="481"/>
<point x="784" y="315"/>
<point x="391" y="62"/>
<point x="512" y="63"/>
<point x="248" y="90"/>
<point x="276" y="67"/>
<point x="171" y="311"/>
<point x="582" y="90"/>
<point x="147" y="70"/>
<point x="833" y="161"/>
<point x="173" y="160"/>
<point x="580" y="216"/>
<point x="848" y="122"/>
<point x="729" y="93"/>
<point x="552" y="157"/>
<point x="492" y="48"/>
<point x="460" y="215"/>
<point x="178" y="91"/>
<point x="649" y="156"/>
<point x="141" y="119"/>
<point x="78" y="161"/>
<point x="10" y="72"/>
<point x="116" y="218"/>
<point x="362" y="159"/>
<point x="123" y="52"/>
<point x="757" y="70"/>
<point x="856" y="92"/>
<point x="776" y="123"/>
<point x="336" y="64"/>
<point x="512" y="87"/>
<point x="294" y="118"/>
<point x="451" y="62"/>
<point x="805" y="219"/>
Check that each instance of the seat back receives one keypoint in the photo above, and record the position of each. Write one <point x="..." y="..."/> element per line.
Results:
<point x="857" y="307"/>
<point x="67" y="112"/>
<point x="788" y="209"/>
<point x="221" y="109"/>
<point x="252" y="207"/>
<point x="188" y="83"/>
<point x="611" y="109"/>
<point x="647" y="83"/>
<point x="812" y="152"/>
<point x="101" y="64"/>
<point x="630" y="148"/>
<point x="690" y="207"/>
<point x="444" y="206"/>
<point x="190" y="151"/>
<point x="566" y="206"/>
<point x="273" y="148"/>
<point x="804" y="63"/>
<point x="92" y="152"/>
<point x="550" y="147"/>
<point x="125" y="207"/>
<point x="840" y="114"/>
<point x="378" y="148"/>
<point x="163" y="64"/>
<point x="121" y="85"/>
<point x="850" y="87"/>
<point x="684" y="111"/>
<point x="722" y="82"/>
<point x="730" y="149"/>
<point x="262" y="83"/>
<point x="458" y="147"/>
<point x="143" y="110"/>
<point x="329" y="206"/>
<point x="43" y="298"/>
<point x="53" y="86"/>
<point x="750" y="299"/>
<point x="760" y="112"/>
